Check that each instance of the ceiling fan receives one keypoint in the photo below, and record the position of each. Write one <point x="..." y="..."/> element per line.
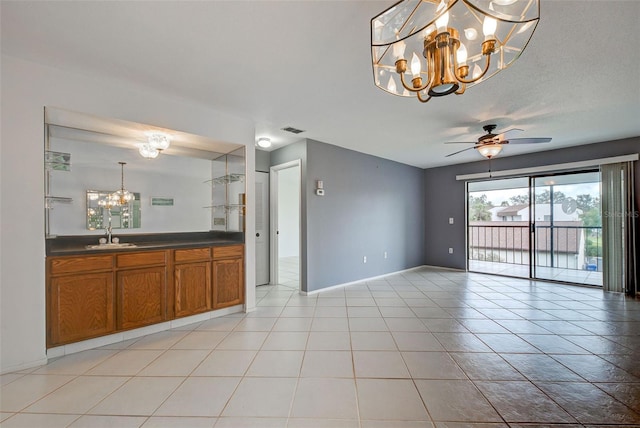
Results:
<point x="490" y="144"/>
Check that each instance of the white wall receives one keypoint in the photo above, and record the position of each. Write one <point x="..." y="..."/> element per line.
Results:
<point x="26" y="88"/>
<point x="289" y="212"/>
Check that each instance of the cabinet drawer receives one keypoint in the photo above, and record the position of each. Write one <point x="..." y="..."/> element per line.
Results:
<point x="141" y="259"/>
<point x="192" y="255"/>
<point x="63" y="265"/>
<point x="228" y="251"/>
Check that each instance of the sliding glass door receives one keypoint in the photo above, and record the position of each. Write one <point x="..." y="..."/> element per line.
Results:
<point x="544" y="227"/>
<point x="498" y="227"/>
<point x="567" y="228"/>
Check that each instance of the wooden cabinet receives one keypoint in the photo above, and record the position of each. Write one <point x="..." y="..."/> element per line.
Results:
<point x="228" y="276"/>
<point x="142" y="297"/>
<point x="192" y="281"/>
<point x="141" y="283"/>
<point x="98" y="294"/>
<point x="80" y="298"/>
<point x="81" y="307"/>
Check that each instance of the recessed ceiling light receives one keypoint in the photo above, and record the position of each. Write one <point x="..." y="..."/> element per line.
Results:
<point x="264" y="142"/>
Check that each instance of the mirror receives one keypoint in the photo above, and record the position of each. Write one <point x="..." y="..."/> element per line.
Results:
<point x="100" y="216"/>
<point x="83" y="153"/>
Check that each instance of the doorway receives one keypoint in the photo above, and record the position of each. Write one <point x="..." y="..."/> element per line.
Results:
<point x="262" y="228"/>
<point x="540" y="227"/>
<point x="285" y="224"/>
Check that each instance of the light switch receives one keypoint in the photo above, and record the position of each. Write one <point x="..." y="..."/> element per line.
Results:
<point x="450" y="220"/>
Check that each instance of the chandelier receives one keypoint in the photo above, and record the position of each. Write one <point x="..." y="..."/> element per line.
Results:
<point x="432" y="48"/>
<point x="122" y="196"/>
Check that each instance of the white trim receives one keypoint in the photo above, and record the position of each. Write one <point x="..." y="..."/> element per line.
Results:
<point x="273" y="218"/>
<point x="549" y="168"/>
<point x="345" y="284"/>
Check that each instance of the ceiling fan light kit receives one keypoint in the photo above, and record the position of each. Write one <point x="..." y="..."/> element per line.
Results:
<point x="446" y="33"/>
<point x="490" y="150"/>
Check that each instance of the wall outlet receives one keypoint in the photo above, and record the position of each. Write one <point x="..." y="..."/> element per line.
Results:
<point x="364" y="259"/>
<point x="450" y="220"/>
<point x="450" y="250"/>
<point x="385" y="254"/>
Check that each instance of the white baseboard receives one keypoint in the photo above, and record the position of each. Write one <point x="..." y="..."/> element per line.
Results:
<point x="444" y="268"/>
<point x="25" y="366"/>
<point x="345" y="284"/>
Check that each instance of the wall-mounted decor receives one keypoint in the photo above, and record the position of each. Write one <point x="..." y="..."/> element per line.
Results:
<point x="161" y="202"/>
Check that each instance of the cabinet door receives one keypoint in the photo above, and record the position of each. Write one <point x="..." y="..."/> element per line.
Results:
<point x="142" y="297"/>
<point x="192" y="282"/>
<point x="80" y="307"/>
<point x="228" y="282"/>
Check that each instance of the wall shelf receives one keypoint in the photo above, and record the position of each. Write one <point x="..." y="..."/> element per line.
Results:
<point x="50" y="200"/>
<point x="228" y="192"/>
<point x="233" y="207"/>
<point x="227" y="179"/>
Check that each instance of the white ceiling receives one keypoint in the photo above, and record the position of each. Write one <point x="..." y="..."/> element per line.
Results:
<point x="307" y="64"/>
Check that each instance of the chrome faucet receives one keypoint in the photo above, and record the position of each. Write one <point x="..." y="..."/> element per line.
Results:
<point x="108" y="231"/>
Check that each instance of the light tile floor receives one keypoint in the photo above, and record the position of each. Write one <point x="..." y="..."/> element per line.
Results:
<point x="425" y="348"/>
<point x="289" y="272"/>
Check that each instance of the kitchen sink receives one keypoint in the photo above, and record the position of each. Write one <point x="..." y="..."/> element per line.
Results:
<point x="111" y="246"/>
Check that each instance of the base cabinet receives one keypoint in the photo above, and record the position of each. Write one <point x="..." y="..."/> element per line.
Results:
<point x="228" y="276"/>
<point x="142" y="297"/>
<point x="192" y="288"/>
<point x="95" y="295"/>
<point x="81" y="307"/>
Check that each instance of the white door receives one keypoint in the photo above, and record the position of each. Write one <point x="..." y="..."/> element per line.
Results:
<point x="262" y="228"/>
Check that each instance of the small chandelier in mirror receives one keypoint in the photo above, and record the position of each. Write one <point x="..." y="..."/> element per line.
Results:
<point x="445" y="46"/>
<point x="122" y="196"/>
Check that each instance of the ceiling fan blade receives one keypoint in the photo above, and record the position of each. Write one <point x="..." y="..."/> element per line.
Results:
<point x="460" y="151"/>
<point x="461" y="142"/>
<point x="505" y="135"/>
<point x="527" y="140"/>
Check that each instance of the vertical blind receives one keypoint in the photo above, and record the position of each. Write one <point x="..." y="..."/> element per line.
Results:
<point x="619" y="223"/>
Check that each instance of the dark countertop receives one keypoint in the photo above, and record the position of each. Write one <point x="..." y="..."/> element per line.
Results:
<point x="77" y="244"/>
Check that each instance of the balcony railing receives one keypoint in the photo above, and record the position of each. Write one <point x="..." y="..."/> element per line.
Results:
<point x="561" y="246"/>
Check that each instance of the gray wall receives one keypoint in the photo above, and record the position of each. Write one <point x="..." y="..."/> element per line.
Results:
<point x="445" y="197"/>
<point x="263" y="160"/>
<point x="371" y="205"/>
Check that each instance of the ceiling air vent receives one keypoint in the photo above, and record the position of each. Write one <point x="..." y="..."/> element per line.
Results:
<point x="292" y="130"/>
